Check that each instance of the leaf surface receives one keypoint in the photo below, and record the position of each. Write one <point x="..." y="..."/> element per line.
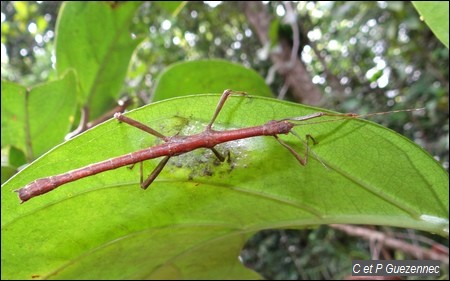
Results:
<point x="93" y="38"/>
<point x="203" y="76"/>
<point x="435" y="14"/>
<point x="36" y="119"/>
<point x="193" y="220"/>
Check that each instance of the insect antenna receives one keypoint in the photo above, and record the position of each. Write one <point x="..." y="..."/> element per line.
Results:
<point x="341" y="116"/>
<point x="388" y="112"/>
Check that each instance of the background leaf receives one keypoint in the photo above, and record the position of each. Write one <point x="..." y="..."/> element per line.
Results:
<point x="106" y="227"/>
<point x="93" y="39"/>
<point x="202" y="76"/>
<point x="435" y="14"/>
<point x="13" y="115"/>
<point x="27" y="113"/>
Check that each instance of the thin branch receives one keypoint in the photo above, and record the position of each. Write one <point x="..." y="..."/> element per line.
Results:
<point x="294" y="72"/>
<point x="84" y="124"/>
<point x="393" y="243"/>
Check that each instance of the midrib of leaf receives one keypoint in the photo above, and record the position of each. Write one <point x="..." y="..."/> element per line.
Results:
<point x="29" y="143"/>
<point x="109" y="53"/>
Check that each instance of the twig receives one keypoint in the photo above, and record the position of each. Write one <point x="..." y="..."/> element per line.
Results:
<point x="373" y="235"/>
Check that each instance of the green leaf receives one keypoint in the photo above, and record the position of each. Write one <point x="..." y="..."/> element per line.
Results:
<point x="7" y="172"/>
<point x="93" y="38"/>
<point x="205" y="76"/>
<point x="197" y="215"/>
<point x="273" y="32"/>
<point x="435" y="14"/>
<point x="27" y="114"/>
<point x="12" y="159"/>
<point x="13" y="115"/>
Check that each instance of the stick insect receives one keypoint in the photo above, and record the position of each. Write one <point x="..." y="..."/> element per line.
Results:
<point x="177" y="145"/>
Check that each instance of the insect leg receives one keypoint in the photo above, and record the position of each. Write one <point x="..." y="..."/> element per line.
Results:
<point x="302" y="160"/>
<point x="131" y="166"/>
<point x="222" y="100"/>
<point x="218" y="154"/>
<point x="141" y="169"/>
<point x="155" y="173"/>
<point x="139" y="125"/>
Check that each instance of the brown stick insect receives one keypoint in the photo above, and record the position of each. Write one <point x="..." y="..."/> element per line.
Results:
<point x="177" y="145"/>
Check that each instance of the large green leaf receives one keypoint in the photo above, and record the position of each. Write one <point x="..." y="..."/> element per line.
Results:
<point x="197" y="215"/>
<point x="435" y="14"/>
<point x="203" y="76"/>
<point x="94" y="39"/>
<point x="14" y="108"/>
<point x="27" y="114"/>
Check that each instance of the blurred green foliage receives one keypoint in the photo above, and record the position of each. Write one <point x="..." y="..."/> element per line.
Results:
<point x="365" y="56"/>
